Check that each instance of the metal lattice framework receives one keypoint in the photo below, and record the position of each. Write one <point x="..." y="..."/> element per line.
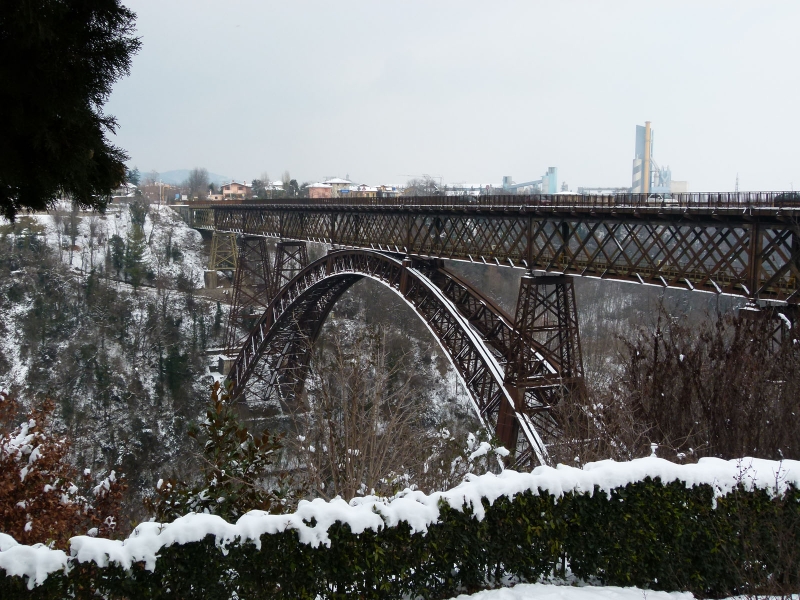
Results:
<point x="290" y="258"/>
<point x="224" y="253"/>
<point x="742" y="244"/>
<point x="479" y="338"/>
<point x="252" y="283"/>
<point x="546" y="327"/>
<point x="779" y="322"/>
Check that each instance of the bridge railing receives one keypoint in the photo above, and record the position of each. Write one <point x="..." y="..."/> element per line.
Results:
<point x="713" y="200"/>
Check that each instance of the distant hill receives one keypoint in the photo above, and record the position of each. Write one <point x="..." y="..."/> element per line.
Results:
<point x="178" y="176"/>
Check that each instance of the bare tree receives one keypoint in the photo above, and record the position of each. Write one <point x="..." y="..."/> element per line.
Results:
<point x="422" y="186"/>
<point x="94" y="230"/>
<point x="726" y="386"/>
<point x="359" y="430"/>
<point x="198" y="183"/>
<point x="151" y="178"/>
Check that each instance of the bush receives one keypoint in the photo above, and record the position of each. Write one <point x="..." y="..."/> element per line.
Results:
<point x="43" y="498"/>
<point x="713" y="539"/>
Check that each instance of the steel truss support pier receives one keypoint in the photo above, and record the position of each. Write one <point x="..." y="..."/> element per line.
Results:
<point x="257" y="279"/>
<point x="223" y="256"/>
<point x="546" y="333"/>
<point x="291" y="257"/>
<point x="780" y="323"/>
<point x="252" y="283"/>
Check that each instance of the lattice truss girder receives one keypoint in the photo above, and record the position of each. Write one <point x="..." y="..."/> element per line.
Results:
<point x="478" y="337"/>
<point x="754" y="257"/>
<point x="199" y="218"/>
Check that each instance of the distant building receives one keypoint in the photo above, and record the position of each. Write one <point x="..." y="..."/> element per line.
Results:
<point x="389" y="191"/>
<point x="647" y="176"/>
<point x="679" y="187"/>
<point x="319" y="190"/>
<point x="236" y="191"/>
<point x="158" y="192"/>
<point x="470" y="189"/>
<point x="550" y="181"/>
<point x="359" y="191"/>
<point x="337" y="185"/>
<point x="546" y="184"/>
<point x="603" y="191"/>
<point x="642" y="157"/>
<point x="125" y="189"/>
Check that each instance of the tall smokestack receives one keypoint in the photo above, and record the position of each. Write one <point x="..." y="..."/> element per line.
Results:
<point x="648" y="149"/>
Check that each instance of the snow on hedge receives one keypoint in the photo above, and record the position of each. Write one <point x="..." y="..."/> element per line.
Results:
<point x="34" y="562"/>
<point x="417" y="509"/>
<point x="540" y="591"/>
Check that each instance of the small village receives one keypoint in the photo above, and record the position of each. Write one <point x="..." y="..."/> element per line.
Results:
<point x="240" y="191"/>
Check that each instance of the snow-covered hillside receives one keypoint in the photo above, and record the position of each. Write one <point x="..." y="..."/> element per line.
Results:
<point x="123" y="358"/>
<point x="163" y="230"/>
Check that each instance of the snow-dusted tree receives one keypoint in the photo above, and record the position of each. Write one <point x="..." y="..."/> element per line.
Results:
<point x="44" y="498"/>
<point x="135" y="270"/>
<point x="361" y="429"/>
<point x="238" y="472"/>
<point x="133" y="176"/>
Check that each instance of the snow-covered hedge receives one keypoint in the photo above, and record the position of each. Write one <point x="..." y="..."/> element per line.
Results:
<point x="647" y="522"/>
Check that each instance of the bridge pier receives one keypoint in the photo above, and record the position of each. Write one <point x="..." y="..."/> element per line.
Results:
<point x="291" y="257"/>
<point x="257" y="277"/>
<point x="223" y="257"/>
<point x="252" y="282"/>
<point x="780" y="322"/>
<point x="546" y="333"/>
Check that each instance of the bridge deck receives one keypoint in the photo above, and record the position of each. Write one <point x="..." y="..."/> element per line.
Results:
<point x="743" y="244"/>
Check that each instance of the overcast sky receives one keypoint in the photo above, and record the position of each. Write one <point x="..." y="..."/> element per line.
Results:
<point x="469" y="91"/>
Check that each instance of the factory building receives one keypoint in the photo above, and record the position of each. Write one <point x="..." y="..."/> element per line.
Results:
<point x="546" y="184"/>
<point x="648" y="177"/>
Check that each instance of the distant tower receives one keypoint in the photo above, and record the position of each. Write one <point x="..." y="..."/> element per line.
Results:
<point x="642" y="160"/>
<point x="737" y="183"/>
<point x="550" y="181"/>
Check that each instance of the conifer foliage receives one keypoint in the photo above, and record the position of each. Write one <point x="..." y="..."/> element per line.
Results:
<point x="43" y="498"/>
<point x="237" y="470"/>
<point x="58" y="61"/>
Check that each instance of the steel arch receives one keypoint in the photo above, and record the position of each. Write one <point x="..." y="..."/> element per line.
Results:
<point x="477" y="336"/>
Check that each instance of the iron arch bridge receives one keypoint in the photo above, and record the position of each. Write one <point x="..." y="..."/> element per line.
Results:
<point x="513" y="379"/>
<point x="515" y="367"/>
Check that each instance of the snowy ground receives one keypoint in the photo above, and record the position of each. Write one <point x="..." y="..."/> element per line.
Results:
<point x="162" y="226"/>
<point x="541" y="591"/>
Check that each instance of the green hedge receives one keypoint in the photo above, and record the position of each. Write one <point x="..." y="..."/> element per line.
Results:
<point x="646" y="534"/>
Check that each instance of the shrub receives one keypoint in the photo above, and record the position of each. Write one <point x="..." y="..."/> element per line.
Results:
<point x="43" y="498"/>
<point x="648" y="523"/>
